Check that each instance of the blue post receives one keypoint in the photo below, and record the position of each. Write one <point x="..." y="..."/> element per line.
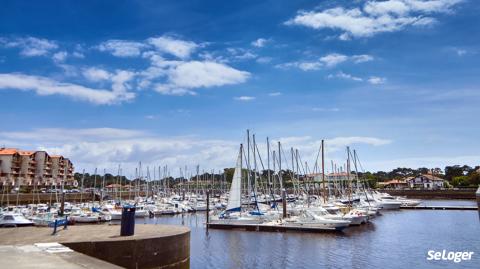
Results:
<point x="54" y="228"/>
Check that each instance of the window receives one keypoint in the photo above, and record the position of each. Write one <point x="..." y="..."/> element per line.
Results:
<point x="8" y="217"/>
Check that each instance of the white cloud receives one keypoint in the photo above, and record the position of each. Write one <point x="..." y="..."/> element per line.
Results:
<point x="327" y="61"/>
<point x="376" y="80"/>
<point x="275" y="94"/>
<point x="259" y="43"/>
<point x="31" y="46"/>
<point x="150" y="117"/>
<point x="459" y="51"/>
<point x="60" y="56"/>
<point x="264" y="60"/>
<point x="322" y="109"/>
<point x="109" y="147"/>
<point x="179" y="48"/>
<point x="374" y="17"/>
<point x="185" y="76"/>
<point x="244" y="98"/>
<point x="305" y="66"/>
<point x="362" y="58"/>
<point x="333" y="59"/>
<point x="346" y="76"/>
<point x="239" y="54"/>
<point x="96" y="74"/>
<point x="122" y="48"/>
<point x="61" y="135"/>
<point x="352" y="140"/>
<point x="47" y="86"/>
<point x="120" y="81"/>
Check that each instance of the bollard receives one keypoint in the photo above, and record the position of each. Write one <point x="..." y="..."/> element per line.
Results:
<point x="127" y="226"/>
<point x="477" y="194"/>
<point x="284" y="202"/>
<point x="208" y="207"/>
<point x="62" y="205"/>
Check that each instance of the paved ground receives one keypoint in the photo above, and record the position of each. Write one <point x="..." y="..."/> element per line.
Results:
<point x="82" y="233"/>
<point x="29" y="256"/>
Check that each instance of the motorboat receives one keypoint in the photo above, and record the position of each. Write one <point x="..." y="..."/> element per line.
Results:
<point x="11" y="219"/>
<point x="308" y="219"/>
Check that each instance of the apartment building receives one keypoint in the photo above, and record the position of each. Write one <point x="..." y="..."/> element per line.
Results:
<point x="28" y="168"/>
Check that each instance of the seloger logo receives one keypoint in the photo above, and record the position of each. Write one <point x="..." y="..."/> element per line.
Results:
<point x="449" y="256"/>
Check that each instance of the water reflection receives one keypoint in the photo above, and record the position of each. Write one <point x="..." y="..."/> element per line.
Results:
<point x="397" y="239"/>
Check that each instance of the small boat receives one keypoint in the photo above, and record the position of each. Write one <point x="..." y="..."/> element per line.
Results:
<point x="109" y="210"/>
<point x="9" y="219"/>
<point x="309" y="219"/>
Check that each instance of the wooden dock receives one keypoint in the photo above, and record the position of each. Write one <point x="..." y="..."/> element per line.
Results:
<point x="270" y="228"/>
<point x="440" y="207"/>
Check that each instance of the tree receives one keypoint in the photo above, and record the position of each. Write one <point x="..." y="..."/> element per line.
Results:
<point x="461" y="181"/>
<point x="456" y="171"/>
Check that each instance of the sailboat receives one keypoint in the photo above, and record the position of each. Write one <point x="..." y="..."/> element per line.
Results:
<point x="233" y="213"/>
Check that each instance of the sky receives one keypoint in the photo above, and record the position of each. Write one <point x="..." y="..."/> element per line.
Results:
<point x="177" y="83"/>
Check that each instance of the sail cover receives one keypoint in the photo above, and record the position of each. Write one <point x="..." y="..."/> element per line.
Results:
<point x="235" y="196"/>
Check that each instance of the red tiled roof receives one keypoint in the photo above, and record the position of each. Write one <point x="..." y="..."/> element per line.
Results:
<point x="26" y="152"/>
<point x="8" y="151"/>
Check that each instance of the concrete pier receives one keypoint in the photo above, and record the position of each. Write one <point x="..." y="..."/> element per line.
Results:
<point x="434" y="194"/>
<point x="152" y="246"/>
<point x="440" y="207"/>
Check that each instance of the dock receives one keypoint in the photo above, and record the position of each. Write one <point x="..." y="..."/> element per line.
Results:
<point x="440" y="207"/>
<point x="270" y="228"/>
<point x="100" y="246"/>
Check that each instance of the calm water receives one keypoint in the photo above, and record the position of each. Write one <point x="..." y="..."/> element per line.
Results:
<point x="397" y="239"/>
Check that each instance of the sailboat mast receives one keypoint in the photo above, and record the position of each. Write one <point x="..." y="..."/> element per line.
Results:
<point x="268" y="164"/>
<point x="348" y="177"/>
<point x="254" y="166"/>
<point x="280" y="179"/>
<point x="323" y="173"/>
<point x="249" y="186"/>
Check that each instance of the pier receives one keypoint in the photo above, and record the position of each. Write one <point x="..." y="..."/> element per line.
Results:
<point x="270" y="228"/>
<point x="440" y="207"/>
<point x="152" y="246"/>
<point x="467" y="194"/>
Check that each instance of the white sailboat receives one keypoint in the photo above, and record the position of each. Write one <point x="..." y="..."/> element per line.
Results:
<point x="233" y="212"/>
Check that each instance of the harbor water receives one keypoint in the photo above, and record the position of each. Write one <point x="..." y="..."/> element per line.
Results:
<point x="396" y="239"/>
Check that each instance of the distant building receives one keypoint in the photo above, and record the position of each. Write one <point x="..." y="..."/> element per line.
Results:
<point x="425" y="181"/>
<point x="27" y="168"/>
<point x="394" y="184"/>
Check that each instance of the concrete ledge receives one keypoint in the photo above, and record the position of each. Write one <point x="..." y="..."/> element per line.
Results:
<point x="152" y="246"/>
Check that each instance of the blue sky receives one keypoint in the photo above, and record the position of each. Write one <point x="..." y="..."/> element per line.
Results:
<point x="178" y="82"/>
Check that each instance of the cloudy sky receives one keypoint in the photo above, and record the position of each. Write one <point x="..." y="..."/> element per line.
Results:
<point x="178" y="82"/>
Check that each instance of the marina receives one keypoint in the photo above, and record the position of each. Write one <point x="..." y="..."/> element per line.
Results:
<point x="250" y="198"/>
<point x="270" y="134"/>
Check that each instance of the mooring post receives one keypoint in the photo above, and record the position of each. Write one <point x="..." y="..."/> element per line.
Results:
<point x="66" y="223"/>
<point x="477" y="194"/>
<point x="284" y="202"/>
<point x="55" y="227"/>
<point x="62" y="206"/>
<point x="208" y="206"/>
